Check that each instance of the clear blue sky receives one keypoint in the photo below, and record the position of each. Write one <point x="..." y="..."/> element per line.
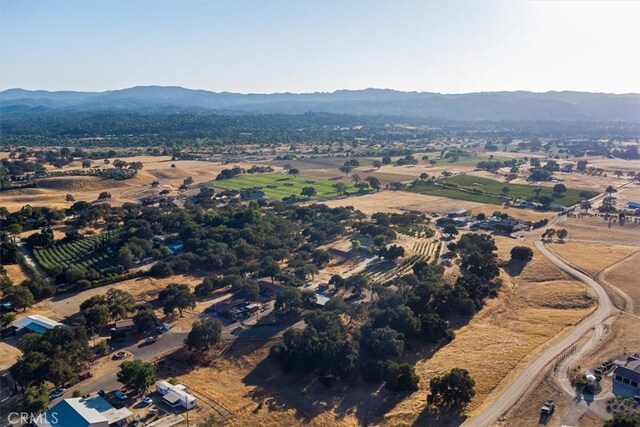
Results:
<point x="311" y="46"/>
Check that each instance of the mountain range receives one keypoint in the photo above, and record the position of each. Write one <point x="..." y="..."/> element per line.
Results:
<point x="491" y="106"/>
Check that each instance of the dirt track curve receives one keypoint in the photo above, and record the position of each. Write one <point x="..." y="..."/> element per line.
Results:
<point x="522" y="382"/>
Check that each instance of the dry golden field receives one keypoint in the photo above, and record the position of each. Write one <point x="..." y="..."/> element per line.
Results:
<point x="592" y="257"/>
<point x="52" y="191"/>
<point x="599" y="231"/>
<point x="399" y="201"/>
<point x="625" y="276"/>
<point x="16" y="273"/>
<point x="143" y="289"/>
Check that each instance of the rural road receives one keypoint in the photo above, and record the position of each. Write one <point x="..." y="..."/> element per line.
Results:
<point x="524" y="380"/>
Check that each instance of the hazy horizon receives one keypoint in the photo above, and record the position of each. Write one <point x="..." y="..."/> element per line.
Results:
<point x="313" y="92"/>
<point x="278" y="47"/>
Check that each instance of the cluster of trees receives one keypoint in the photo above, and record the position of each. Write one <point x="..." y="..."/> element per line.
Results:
<point x="99" y="310"/>
<point x="415" y="311"/>
<point x="550" y="233"/>
<point x="229" y="173"/>
<point x="409" y="159"/>
<point x="322" y="346"/>
<point x="57" y="356"/>
<point x="521" y="253"/>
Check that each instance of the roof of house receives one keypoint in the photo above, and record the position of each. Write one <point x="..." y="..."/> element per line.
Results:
<point x="36" y="323"/>
<point x="631" y="369"/>
<point x="79" y="412"/>
<point x="322" y="299"/>
<point x="124" y="323"/>
<point x="176" y="395"/>
<point x="164" y="384"/>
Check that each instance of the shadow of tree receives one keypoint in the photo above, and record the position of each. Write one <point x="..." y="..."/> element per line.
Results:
<point x="309" y="397"/>
<point x="514" y="267"/>
<point x="429" y="417"/>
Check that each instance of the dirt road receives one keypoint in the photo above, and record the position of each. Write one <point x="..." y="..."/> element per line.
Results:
<point x="592" y="323"/>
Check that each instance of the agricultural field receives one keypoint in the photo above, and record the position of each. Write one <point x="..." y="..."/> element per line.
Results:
<point x="494" y="189"/>
<point x="453" y="193"/>
<point x="278" y="185"/>
<point x="90" y="253"/>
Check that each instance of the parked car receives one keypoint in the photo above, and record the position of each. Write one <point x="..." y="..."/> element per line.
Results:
<point x="147" y="400"/>
<point x="163" y="328"/>
<point x="120" y="395"/>
<point x="150" y="340"/>
<point x="120" y="355"/>
<point x="56" y="393"/>
<point x="548" y="407"/>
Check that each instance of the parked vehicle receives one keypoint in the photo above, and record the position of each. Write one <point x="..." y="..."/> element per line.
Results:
<point x="150" y="340"/>
<point x="56" y="393"/>
<point x="548" y="407"/>
<point x="120" y="355"/>
<point x="147" y="400"/>
<point x="84" y="375"/>
<point x="163" y="328"/>
<point x="120" y="395"/>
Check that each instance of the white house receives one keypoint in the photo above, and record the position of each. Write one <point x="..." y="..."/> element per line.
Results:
<point x="35" y="323"/>
<point x="175" y="395"/>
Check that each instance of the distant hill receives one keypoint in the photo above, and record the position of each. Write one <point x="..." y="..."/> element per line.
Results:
<point x="556" y="106"/>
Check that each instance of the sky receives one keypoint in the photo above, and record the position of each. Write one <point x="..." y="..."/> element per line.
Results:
<point x="321" y="46"/>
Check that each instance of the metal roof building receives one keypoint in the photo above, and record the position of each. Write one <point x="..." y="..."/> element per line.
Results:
<point x="35" y="323"/>
<point x="78" y="412"/>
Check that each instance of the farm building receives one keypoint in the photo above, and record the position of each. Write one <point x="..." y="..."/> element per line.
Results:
<point x="78" y="412"/>
<point x="35" y="323"/>
<point x="175" y="395"/>
<point x="633" y="205"/>
<point x="628" y="373"/>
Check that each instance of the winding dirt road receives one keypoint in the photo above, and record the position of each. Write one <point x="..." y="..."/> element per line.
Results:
<point x="591" y="323"/>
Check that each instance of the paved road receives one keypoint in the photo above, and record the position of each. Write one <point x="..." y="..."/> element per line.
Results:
<point x="522" y="382"/>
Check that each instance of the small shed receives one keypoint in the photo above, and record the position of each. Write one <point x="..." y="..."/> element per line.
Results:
<point x="124" y="325"/>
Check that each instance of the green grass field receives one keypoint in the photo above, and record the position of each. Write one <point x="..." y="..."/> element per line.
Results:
<point x="492" y="190"/>
<point x="517" y="191"/>
<point x="452" y="193"/>
<point x="278" y="185"/>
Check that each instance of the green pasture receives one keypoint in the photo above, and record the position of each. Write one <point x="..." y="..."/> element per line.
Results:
<point x="278" y="185"/>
